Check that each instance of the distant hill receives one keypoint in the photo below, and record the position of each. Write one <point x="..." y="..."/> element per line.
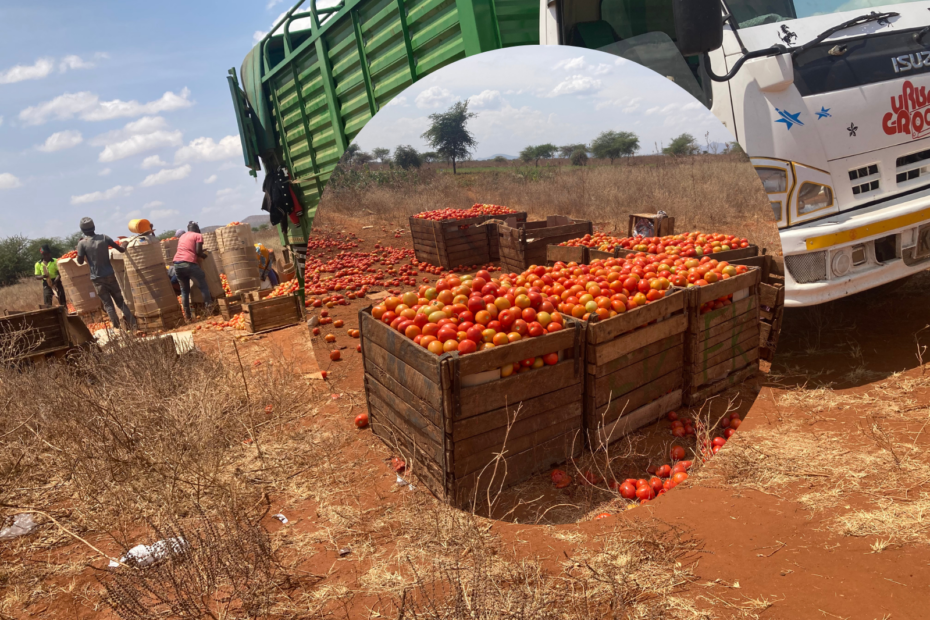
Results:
<point x="496" y="155"/>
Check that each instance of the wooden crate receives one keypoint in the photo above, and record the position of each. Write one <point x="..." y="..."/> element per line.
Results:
<point x="566" y="254"/>
<point x="526" y="244"/>
<point x="448" y="427"/>
<point x="664" y="226"/>
<point x="37" y="332"/>
<point x="257" y="295"/>
<point x="454" y="243"/>
<point x="163" y="320"/>
<point x="722" y="346"/>
<point x="229" y="306"/>
<point x="771" y="300"/>
<point x="633" y="368"/>
<point x="726" y="255"/>
<point x="272" y="313"/>
<point x="601" y="255"/>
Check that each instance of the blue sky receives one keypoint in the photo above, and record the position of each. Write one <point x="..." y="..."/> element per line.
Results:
<point x="121" y="109"/>
<point x="533" y="95"/>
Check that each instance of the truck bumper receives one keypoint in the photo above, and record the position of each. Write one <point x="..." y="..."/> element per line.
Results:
<point x="849" y="253"/>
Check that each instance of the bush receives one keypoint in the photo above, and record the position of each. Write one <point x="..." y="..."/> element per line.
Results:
<point x="15" y="260"/>
<point x="579" y="158"/>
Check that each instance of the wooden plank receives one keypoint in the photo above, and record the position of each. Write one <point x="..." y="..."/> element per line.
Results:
<point x="566" y="254"/>
<point x="497" y="419"/>
<point x="703" y="294"/>
<point x="423" y="420"/>
<point x="463" y="448"/>
<point x="771" y="296"/>
<point x="475" y="462"/>
<point x="708" y="320"/>
<point x="428" y="446"/>
<point x="636" y="356"/>
<point x="401" y="347"/>
<point x="418" y="463"/>
<point x="490" y="359"/>
<point x="615" y="385"/>
<point x="604" y="353"/>
<point x="713" y="335"/>
<point x="608" y="329"/>
<point x="421" y="386"/>
<point x="433" y="414"/>
<point x="637" y="398"/>
<point x="517" y="388"/>
<point x="697" y="398"/>
<point x="468" y="492"/>
<point x="721" y="370"/>
<point x="601" y="437"/>
<point x="737" y="345"/>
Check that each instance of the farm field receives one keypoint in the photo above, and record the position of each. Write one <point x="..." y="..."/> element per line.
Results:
<point x="814" y="509"/>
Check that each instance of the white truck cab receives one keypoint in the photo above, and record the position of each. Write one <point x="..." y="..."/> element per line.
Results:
<point x="831" y="105"/>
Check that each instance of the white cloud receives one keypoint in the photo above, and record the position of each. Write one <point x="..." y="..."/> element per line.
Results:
<point x="87" y="106"/>
<point x="205" y="149"/>
<point x="114" y="192"/>
<point x="602" y="69"/>
<point x="223" y="193"/>
<point x="104" y="172"/>
<point x="571" y="64"/>
<point x="8" y="181"/>
<point x="652" y="110"/>
<point x="486" y="100"/>
<point x="273" y="3"/>
<point x="146" y="124"/>
<point x="61" y="140"/>
<point x="20" y="73"/>
<point x="575" y="85"/>
<point x="210" y="179"/>
<point x="399" y="101"/>
<point x="1" y="121"/>
<point x="75" y="62"/>
<point x="140" y="144"/>
<point x="435" y="97"/>
<point x="157" y="213"/>
<point x="167" y="176"/>
<point x="153" y="161"/>
<point x="258" y="35"/>
<point x="153" y="204"/>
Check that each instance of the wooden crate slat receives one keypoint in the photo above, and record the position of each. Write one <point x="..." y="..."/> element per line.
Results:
<point x="429" y="411"/>
<point x="727" y="287"/>
<point x="608" y="351"/>
<point x="401" y="348"/>
<point x="510" y="391"/>
<point x="608" y="329"/>
<point x="602" y="436"/>
<point x="517" y="351"/>
<point x="519" y="245"/>
<point x="636" y="399"/>
<point x="419" y="385"/>
<point x="417" y="461"/>
<point x="676" y="340"/>
<point x="421" y="422"/>
<point x="725" y="350"/>
<point x="427" y="445"/>
<point x="498" y="418"/>
<point x="615" y="385"/>
<point x="566" y="254"/>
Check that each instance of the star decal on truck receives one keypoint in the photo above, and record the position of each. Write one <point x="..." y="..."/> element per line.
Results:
<point x="824" y="113"/>
<point x="790" y="120"/>
<point x="852" y="129"/>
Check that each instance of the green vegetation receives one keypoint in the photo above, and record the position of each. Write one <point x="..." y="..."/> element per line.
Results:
<point x="449" y="135"/>
<point x="407" y="157"/>
<point x="685" y="144"/>
<point x="18" y="254"/>
<point x="614" y="145"/>
<point x="540" y="151"/>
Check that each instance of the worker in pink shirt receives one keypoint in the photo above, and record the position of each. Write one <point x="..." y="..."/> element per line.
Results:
<point x="186" y="267"/>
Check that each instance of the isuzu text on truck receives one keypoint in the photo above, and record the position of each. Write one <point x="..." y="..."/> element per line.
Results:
<point x="831" y="104"/>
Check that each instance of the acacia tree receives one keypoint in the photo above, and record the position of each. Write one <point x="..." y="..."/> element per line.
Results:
<point x="567" y="150"/>
<point x="579" y="158"/>
<point x="381" y="154"/>
<point x="449" y="135"/>
<point x="615" y="144"/>
<point x="540" y="151"/>
<point x="685" y="144"/>
<point x="407" y="157"/>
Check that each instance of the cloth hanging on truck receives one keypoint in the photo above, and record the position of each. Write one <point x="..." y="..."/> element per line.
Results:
<point x="280" y="201"/>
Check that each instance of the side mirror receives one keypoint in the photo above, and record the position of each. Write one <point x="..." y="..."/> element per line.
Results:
<point x="698" y="25"/>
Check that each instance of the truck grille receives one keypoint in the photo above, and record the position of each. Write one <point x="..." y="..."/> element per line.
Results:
<point x="864" y="179"/>
<point x="912" y="166"/>
<point x="807" y="268"/>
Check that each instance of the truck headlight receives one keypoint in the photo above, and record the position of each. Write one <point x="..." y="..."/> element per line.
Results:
<point x="774" y="180"/>
<point x="813" y="197"/>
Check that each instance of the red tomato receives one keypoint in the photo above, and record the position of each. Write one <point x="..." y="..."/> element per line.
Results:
<point x="361" y="420"/>
<point x="664" y="472"/>
<point x="734" y="423"/>
<point x="656" y="484"/>
<point x="672" y="416"/>
<point x="551" y="359"/>
<point x="645" y="493"/>
<point x="718" y="441"/>
<point x="627" y="491"/>
<point x="729" y="432"/>
<point x="335" y="355"/>
<point x="560" y="479"/>
<point x="398" y="465"/>
<point x="677" y="453"/>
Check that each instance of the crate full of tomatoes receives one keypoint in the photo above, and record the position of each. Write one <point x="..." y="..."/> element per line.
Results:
<point x="451" y="238"/>
<point x="462" y="371"/>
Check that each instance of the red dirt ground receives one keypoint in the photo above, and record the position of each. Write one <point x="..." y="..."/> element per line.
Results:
<point x="754" y="545"/>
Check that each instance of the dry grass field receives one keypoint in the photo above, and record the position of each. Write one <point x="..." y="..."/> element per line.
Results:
<point x="712" y="193"/>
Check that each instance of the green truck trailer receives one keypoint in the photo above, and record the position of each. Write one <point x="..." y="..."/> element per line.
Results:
<point x="306" y="92"/>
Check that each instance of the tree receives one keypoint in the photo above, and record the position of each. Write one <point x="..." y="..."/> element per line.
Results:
<point x="381" y="154"/>
<point x="579" y="158"/>
<point x="540" y="151"/>
<point x="567" y="150"/>
<point x="14" y="260"/>
<point x="614" y="144"/>
<point x="361" y="158"/>
<point x="449" y="135"/>
<point x="500" y="159"/>
<point x="407" y="157"/>
<point x="429" y="157"/>
<point x="349" y="155"/>
<point x="682" y="145"/>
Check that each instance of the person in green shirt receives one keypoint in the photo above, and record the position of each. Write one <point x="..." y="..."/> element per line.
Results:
<point x="47" y="271"/>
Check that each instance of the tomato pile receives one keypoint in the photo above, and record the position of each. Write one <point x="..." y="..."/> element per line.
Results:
<point x="357" y="271"/>
<point x="322" y="243"/>
<point x="684" y="244"/>
<point x="235" y="224"/>
<point x="285" y="288"/>
<point x="225" y="282"/>
<point x="169" y="239"/>
<point x="67" y="255"/>
<point x="476" y="210"/>
<point x="472" y="313"/>
<point x="235" y="322"/>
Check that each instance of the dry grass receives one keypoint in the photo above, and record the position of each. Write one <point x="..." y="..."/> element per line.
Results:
<point x="720" y="193"/>
<point x="24" y="295"/>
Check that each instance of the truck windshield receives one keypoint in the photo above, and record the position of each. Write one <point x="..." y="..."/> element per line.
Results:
<point x="749" y="13"/>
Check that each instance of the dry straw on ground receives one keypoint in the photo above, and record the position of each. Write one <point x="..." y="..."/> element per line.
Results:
<point x="710" y="193"/>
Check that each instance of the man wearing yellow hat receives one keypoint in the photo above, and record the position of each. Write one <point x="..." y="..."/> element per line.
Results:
<point x="263" y="255"/>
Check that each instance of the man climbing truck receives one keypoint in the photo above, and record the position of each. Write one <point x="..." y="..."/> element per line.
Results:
<point x="830" y="104"/>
